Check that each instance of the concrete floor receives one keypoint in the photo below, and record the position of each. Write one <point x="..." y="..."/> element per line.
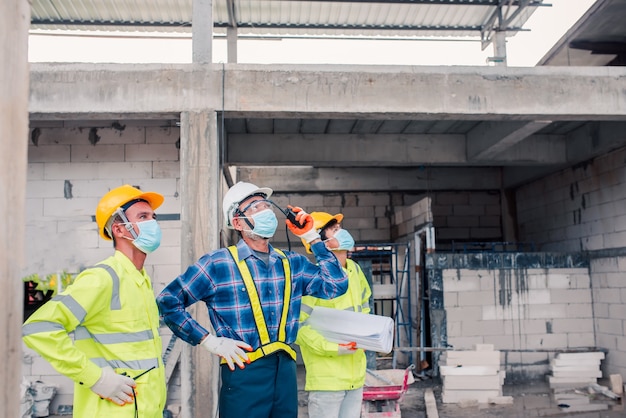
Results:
<point x="533" y="399"/>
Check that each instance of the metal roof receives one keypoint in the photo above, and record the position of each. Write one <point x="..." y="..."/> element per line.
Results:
<point x="393" y="18"/>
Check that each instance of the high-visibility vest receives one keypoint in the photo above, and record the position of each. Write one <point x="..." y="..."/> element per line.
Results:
<point x="267" y="346"/>
<point x="326" y="370"/>
<point x="116" y="323"/>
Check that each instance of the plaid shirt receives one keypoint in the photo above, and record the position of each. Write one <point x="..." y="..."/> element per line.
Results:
<point x="215" y="280"/>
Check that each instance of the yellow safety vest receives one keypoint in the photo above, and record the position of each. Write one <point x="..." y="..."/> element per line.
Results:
<point x="326" y="370"/>
<point x="267" y="346"/>
<point x="116" y="323"/>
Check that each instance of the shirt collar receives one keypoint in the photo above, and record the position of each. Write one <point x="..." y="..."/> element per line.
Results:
<point x="129" y="269"/>
<point x="244" y="251"/>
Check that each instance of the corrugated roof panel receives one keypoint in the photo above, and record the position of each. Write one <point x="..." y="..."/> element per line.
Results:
<point x="280" y="17"/>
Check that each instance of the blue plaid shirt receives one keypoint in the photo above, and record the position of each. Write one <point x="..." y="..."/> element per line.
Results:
<point x="215" y="280"/>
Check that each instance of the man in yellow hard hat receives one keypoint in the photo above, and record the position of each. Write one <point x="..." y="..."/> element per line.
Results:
<point x="252" y="291"/>
<point x="115" y="358"/>
<point x="335" y="373"/>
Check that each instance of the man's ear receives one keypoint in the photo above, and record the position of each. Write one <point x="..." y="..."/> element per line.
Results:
<point x="117" y="229"/>
<point x="236" y="222"/>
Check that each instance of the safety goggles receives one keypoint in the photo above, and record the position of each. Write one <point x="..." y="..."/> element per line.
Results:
<point x="256" y="206"/>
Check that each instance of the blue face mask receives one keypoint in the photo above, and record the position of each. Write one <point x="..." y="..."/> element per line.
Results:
<point x="344" y="239"/>
<point x="149" y="237"/>
<point x="265" y="223"/>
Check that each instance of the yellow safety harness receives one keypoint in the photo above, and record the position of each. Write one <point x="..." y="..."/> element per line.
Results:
<point x="267" y="347"/>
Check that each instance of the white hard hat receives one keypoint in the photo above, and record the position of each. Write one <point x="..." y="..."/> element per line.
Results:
<point x="238" y="193"/>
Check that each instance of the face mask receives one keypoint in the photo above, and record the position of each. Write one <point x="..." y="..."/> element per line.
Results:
<point x="345" y="240"/>
<point x="265" y="223"/>
<point x="149" y="237"/>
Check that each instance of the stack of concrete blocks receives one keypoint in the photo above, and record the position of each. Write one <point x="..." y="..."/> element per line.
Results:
<point x="575" y="370"/>
<point x="570" y="371"/>
<point x="472" y="376"/>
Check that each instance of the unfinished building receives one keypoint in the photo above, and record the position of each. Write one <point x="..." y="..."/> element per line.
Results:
<point x="488" y="203"/>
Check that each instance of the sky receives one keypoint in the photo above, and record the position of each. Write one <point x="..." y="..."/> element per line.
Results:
<point x="547" y="25"/>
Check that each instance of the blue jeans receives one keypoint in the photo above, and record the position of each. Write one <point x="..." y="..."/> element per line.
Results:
<point x="336" y="403"/>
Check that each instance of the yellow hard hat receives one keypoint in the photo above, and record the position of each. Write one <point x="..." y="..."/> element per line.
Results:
<point x="118" y="197"/>
<point x="320" y="220"/>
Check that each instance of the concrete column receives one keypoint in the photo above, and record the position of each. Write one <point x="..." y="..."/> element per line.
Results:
<point x="14" y="23"/>
<point x="231" y="45"/>
<point x="508" y="207"/>
<point x="202" y="31"/>
<point x="499" y="49"/>
<point x="200" y="226"/>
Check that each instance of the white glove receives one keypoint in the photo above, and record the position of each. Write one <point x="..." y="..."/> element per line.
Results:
<point x="228" y="348"/>
<point x="347" y="348"/>
<point x="114" y="387"/>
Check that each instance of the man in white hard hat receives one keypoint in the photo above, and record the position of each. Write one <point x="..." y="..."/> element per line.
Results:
<point x="253" y="291"/>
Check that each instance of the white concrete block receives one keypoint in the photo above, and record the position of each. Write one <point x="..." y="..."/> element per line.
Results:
<point x="472" y="358"/>
<point x="469" y="370"/>
<point x="481" y="396"/>
<point x="473" y="382"/>
<point x="162" y="135"/>
<point x="476" y="298"/>
<point x="151" y="152"/>
<point x="555" y="341"/>
<point x="49" y="154"/>
<point x="98" y="153"/>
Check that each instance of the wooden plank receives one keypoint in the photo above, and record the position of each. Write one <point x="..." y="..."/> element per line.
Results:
<point x="173" y="359"/>
<point x="431" y="404"/>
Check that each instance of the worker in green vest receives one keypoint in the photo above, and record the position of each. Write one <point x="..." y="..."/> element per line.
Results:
<point x="335" y="373"/>
<point x="253" y="291"/>
<point x="115" y="356"/>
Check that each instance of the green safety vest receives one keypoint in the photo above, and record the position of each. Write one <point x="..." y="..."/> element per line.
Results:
<point x="326" y="370"/>
<point x="267" y="346"/>
<point x="116" y="323"/>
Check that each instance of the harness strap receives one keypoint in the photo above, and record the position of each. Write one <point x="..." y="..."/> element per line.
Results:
<point x="267" y="347"/>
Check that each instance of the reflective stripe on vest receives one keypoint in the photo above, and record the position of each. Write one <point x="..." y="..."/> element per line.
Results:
<point x="116" y="305"/>
<point x="81" y="333"/>
<point x="267" y="347"/>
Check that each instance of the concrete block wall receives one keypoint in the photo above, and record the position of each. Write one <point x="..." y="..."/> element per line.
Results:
<point x="69" y="169"/>
<point x="609" y="296"/>
<point x="582" y="208"/>
<point x="463" y="216"/>
<point x="519" y="311"/>
<point x="389" y="217"/>
<point x="366" y="215"/>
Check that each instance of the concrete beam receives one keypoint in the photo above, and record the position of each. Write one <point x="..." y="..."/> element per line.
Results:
<point x="388" y="92"/>
<point x="381" y="150"/>
<point x="345" y="150"/>
<point x="320" y="180"/>
<point x="489" y="139"/>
